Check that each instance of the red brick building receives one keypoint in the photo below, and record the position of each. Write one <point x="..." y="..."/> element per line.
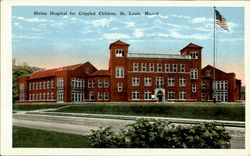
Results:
<point x="132" y="77"/>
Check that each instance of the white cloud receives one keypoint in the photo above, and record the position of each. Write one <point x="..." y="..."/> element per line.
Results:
<point x="160" y="16"/>
<point x="58" y="24"/>
<point x="157" y="21"/>
<point x="32" y="19"/>
<point x="180" y="16"/>
<point x="186" y="36"/>
<point x="115" y="36"/>
<point x="105" y="22"/>
<point x="26" y="36"/>
<point x="65" y="17"/>
<point x="18" y="25"/>
<point x="177" y="26"/>
<point x="201" y="20"/>
<point x="138" y="33"/>
<point x="129" y="24"/>
<point x="158" y="35"/>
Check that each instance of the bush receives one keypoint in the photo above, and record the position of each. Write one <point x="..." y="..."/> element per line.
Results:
<point x="159" y="134"/>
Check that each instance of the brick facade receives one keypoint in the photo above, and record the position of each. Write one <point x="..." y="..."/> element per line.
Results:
<point x="132" y="77"/>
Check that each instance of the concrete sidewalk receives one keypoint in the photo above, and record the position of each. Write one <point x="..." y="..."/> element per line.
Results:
<point x="132" y="117"/>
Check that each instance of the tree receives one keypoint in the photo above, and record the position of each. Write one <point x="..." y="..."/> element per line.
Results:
<point x="17" y="71"/>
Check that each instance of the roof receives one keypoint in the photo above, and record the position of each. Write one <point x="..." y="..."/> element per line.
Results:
<point x="158" y="56"/>
<point x="191" y="45"/>
<point x="119" y="42"/>
<point x="100" y="73"/>
<point x="51" y="72"/>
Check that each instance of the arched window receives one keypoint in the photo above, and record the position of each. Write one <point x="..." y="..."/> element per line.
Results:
<point x="119" y="52"/>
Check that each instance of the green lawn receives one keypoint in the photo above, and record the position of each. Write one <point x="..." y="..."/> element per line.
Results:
<point x="26" y="137"/>
<point x="211" y="111"/>
<point x="218" y="111"/>
<point x="28" y="107"/>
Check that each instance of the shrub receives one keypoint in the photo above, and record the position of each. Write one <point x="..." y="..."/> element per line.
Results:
<point x="159" y="134"/>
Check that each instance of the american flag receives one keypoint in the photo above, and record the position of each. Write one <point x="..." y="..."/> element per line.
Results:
<point x="220" y="20"/>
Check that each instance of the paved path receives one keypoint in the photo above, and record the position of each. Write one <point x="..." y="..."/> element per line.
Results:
<point x="83" y="125"/>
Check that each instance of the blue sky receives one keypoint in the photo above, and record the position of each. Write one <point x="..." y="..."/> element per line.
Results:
<point x="50" y="41"/>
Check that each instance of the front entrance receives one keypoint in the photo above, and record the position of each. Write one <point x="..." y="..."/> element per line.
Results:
<point x="159" y="96"/>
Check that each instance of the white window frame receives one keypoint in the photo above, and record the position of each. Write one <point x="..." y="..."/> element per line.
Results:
<point x="175" y="68"/>
<point x="52" y="83"/>
<point x="106" y="96"/>
<point x="182" y="68"/>
<point x="119" y="72"/>
<point x="151" y="67"/>
<point x="171" y="81"/>
<point x="147" y="95"/>
<point x="91" y="94"/>
<point x="194" y="74"/>
<point x="203" y="97"/>
<point x="106" y="83"/>
<point x="147" y="81"/>
<point x="203" y="84"/>
<point x="159" y="67"/>
<point x="167" y="68"/>
<point x="194" y="88"/>
<point x="135" y="95"/>
<point x="182" y="95"/>
<point x="171" y="95"/>
<point x="159" y="82"/>
<point x="194" y="55"/>
<point x="143" y="67"/>
<point x="99" y="83"/>
<point x="119" y="87"/>
<point x="182" y="82"/>
<point x="93" y="84"/>
<point x="119" y="52"/>
<point x="135" y="81"/>
<point x="208" y="73"/>
<point x="99" y="95"/>
<point x="135" y="67"/>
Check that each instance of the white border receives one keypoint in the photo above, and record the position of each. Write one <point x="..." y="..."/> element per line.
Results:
<point x="6" y="82"/>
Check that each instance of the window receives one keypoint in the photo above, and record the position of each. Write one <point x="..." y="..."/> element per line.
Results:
<point x="182" y="95"/>
<point x="30" y="86"/>
<point x="106" y="83"/>
<point x="44" y="96"/>
<point x="91" y="95"/>
<point x="37" y="96"/>
<point x="171" y="82"/>
<point x="34" y="86"/>
<point x="119" y="87"/>
<point x="33" y="96"/>
<point x="52" y="83"/>
<point x="167" y="67"/>
<point x="41" y="96"/>
<point x="41" y="85"/>
<point x="159" y="67"/>
<point x="119" y="52"/>
<point x="182" y="82"/>
<point x="143" y="67"/>
<point x="48" y="84"/>
<point x="147" y="81"/>
<point x="52" y="95"/>
<point x="44" y="84"/>
<point x="175" y="68"/>
<point x="93" y="83"/>
<point x="60" y="82"/>
<point x="99" y="96"/>
<point x="194" y="55"/>
<point x="208" y="72"/>
<point x="159" y="82"/>
<point x="147" y="95"/>
<point x="99" y="83"/>
<point x="119" y="72"/>
<point x="135" y="81"/>
<point x="30" y="97"/>
<point x="151" y="67"/>
<point x="135" y="95"/>
<point x="106" y="96"/>
<point x="89" y="84"/>
<point x="194" y="88"/>
<point x="182" y="67"/>
<point x="203" y="96"/>
<point x="48" y="96"/>
<point x="37" y="85"/>
<point x="170" y="95"/>
<point x="135" y="67"/>
<point x="203" y="85"/>
<point x="194" y="74"/>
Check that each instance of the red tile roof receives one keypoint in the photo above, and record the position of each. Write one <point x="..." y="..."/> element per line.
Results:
<point x="51" y="72"/>
<point x="191" y="45"/>
<point x="118" y="43"/>
<point x="100" y="73"/>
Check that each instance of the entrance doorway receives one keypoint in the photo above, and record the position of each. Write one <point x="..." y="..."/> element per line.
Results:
<point x="160" y="96"/>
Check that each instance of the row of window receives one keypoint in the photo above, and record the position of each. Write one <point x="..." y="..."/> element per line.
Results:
<point x="77" y="83"/>
<point x="100" y="83"/>
<point x="120" y="72"/>
<point x="119" y="52"/>
<point x="159" y="81"/>
<point x="77" y="96"/>
<point x="41" y="96"/>
<point x="221" y="96"/>
<point x="41" y="85"/>
<point x="60" y="83"/>
<point x="148" y="95"/>
<point x="220" y="85"/>
<point x="143" y="67"/>
<point x="100" y="96"/>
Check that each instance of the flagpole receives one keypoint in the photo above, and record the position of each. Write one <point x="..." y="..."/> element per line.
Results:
<point x="213" y="84"/>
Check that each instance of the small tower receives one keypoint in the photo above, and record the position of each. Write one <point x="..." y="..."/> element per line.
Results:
<point x="118" y="70"/>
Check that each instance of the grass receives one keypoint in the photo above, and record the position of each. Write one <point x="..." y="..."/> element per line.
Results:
<point x="235" y="112"/>
<point x="27" y="137"/>
<point x="28" y="107"/>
